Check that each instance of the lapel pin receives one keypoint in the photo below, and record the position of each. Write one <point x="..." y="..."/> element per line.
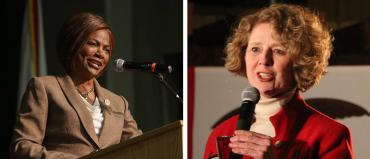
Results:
<point x="107" y="102"/>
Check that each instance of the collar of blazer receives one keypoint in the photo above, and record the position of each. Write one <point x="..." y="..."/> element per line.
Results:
<point x="74" y="99"/>
<point x="289" y="119"/>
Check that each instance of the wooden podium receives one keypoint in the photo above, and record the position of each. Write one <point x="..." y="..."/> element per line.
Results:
<point x="162" y="143"/>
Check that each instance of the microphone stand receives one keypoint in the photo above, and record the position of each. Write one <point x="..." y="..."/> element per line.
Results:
<point x="160" y="77"/>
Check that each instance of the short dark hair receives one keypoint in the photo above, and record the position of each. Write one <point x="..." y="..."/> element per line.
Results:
<point x="74" y="34"/>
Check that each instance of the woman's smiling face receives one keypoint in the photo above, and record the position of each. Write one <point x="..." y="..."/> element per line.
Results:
<point x="94" y="55"/>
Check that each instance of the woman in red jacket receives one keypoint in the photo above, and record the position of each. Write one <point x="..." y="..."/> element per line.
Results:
<point x="283" y="50"/>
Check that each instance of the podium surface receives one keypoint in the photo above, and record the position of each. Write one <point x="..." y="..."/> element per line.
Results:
<point x="162" y="143"/>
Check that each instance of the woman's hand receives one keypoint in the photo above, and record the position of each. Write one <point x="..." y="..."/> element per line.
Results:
<point x="251" y="144"/>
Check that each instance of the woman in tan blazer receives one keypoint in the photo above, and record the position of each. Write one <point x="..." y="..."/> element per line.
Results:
<point x="71" y="115"/>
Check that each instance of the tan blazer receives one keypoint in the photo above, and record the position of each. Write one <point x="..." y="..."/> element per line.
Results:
<point x="53" y="121"/>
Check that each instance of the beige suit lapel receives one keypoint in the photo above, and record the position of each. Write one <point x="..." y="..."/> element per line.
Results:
<point x="109" y="120"/>
<point x="72" y="96"/>
<point x="105" y="133"/>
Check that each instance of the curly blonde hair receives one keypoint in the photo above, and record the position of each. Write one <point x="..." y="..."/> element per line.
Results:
<point x="305" y="35"/>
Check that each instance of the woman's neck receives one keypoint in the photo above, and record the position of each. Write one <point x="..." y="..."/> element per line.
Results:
<point x="86" y="89"/>
<point x="269" y="106"/>
<point x="277" y="96"/>
<point x="83" y="84"/>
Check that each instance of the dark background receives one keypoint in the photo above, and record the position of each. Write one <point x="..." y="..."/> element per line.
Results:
<point x="10" y="66"/>
<point x="144" y="30"/>
<point x="210" y="22"/>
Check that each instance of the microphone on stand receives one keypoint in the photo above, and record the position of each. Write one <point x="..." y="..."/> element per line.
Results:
<point x="250" y="97"/>
<point x="155" y="68"/>
<point x="120" y="65"/>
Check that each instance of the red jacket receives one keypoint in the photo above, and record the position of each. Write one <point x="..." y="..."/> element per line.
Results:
<point x="301" y="132"/>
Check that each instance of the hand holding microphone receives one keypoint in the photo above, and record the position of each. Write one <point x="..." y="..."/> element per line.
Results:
<point x="246" y="142"/>
<point x="249" y="143"/>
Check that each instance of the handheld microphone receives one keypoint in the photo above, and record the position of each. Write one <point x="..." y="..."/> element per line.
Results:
<point x="120" y="65"/>
<point x="250" y="97"/>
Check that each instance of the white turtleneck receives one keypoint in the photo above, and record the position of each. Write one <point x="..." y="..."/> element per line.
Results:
<point x="265" y="109"/>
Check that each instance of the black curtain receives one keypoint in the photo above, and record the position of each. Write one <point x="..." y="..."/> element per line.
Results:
<point x="12" y="11"/>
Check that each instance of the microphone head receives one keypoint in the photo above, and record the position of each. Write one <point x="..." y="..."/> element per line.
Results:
<point x="118" y="65"/>
<point x="169" y="68"/>
<point x="251" y="94"/>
